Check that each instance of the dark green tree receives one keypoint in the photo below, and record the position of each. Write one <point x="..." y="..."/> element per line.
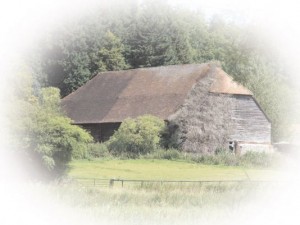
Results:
<point x="157" y="38"/>
<point x="110" y="56"/>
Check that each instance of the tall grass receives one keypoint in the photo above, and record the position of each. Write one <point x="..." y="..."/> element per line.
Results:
<point x="176" y="205"/>
<point x="171" y="195"/>
<point x="221" y="157"/>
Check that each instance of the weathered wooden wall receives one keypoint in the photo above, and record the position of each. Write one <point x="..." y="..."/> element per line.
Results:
<point x="251" y="126"/>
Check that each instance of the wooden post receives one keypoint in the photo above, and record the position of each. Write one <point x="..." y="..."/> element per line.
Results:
<point x="237" y="148"/>
<point x="111" y="183"/>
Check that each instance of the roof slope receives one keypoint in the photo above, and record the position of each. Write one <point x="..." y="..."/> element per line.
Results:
<point x="225" y="84"/>
<point x="160" y="91"/>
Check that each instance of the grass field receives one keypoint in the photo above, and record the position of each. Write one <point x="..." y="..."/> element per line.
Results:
<point x="164" y="170"/>
<point x="177" y="205"/>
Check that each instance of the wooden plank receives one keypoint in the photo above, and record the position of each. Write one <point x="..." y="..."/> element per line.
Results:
<point x="249" y="122"/>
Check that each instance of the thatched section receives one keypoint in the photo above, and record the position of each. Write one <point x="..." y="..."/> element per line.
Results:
<point x="204" y="122"/>
<point x="114" y="96"/>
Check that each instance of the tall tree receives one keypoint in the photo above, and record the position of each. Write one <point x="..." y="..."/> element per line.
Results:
<point x="157" y="38"/>
<point x="43" y="137"/>
<point x="111" y="54"/>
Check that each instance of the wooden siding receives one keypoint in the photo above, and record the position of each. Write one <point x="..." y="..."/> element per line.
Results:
<point x="246" y="147"/>
<point x="250" y="123"/>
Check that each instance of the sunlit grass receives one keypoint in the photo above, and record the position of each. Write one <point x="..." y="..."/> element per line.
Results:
<point x="147" y="169"/>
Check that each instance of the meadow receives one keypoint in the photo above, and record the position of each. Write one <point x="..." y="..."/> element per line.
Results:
<point x="170" y="203"/>
<point x="188" y="204"/>
<point x="210" y="203"/>
<point x="159" y="169"/>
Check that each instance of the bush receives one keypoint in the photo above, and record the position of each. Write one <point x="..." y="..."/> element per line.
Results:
<point x="46" y="138"/>
<point x="98" y="150"/>
<point x="137" y="136"/>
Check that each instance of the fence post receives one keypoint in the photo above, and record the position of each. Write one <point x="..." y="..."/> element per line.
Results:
<point x="111" y="183"/>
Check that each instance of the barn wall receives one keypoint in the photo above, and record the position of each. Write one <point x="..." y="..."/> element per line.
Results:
<point x="93" y="129"/>
<point x="251" y="127"/>
<point x="108" y="130"/>
<point x="101" y="132"/>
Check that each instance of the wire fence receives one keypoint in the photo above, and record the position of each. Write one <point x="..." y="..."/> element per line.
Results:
<point x="111" y="183"/>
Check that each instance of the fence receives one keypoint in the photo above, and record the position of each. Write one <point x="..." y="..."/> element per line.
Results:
<point x="110" y="183"/>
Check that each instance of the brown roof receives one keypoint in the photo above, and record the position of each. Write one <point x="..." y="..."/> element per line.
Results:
<point x="225" y="84"/>
<point x="160" y="91"/>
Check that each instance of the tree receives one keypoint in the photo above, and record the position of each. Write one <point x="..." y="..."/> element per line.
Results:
<point x="111" y="54"/>
<point x="137" y="136"/>
<point x="44" y="138"/>
<point x="157" y="37"/>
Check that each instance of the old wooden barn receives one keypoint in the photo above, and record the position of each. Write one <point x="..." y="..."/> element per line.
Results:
<point x="203" y="106"/>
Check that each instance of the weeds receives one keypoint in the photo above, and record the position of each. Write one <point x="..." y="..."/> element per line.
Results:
<point x="220" y="157"/>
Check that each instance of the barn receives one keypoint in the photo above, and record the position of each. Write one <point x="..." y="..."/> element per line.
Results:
<point x="202" y="105"/>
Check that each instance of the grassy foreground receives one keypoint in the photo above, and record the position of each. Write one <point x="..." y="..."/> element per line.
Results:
<point x="164" y="206"/>
<point x="164" y="170"/>
<point x="167" y="204"/>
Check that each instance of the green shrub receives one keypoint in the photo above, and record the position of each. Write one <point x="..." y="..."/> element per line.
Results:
<point x="98" y="150"/>
<point x="46" y="137"/>
<point x="136" y="136"/>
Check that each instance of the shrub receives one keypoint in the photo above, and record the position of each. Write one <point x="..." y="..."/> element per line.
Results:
<point x="137" y="136"/>
<point x="45" y="138"/>
<point x="98" y="150"/>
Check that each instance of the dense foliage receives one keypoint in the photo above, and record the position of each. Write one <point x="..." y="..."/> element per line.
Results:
<point x="46" y="140"/>
<point x="133" y="35"/>
<point x="137" y="136"/>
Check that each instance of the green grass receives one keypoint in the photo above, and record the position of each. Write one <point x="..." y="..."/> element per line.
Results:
<point x="163" y="170"/>
<point x="164" y="204"/>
